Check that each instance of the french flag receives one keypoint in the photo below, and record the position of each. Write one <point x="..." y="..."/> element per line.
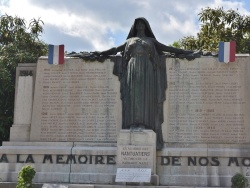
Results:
<point x="227" y="51"/>
<point x="56" y="54"/>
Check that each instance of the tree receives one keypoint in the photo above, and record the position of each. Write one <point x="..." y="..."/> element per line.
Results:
<point x="220" y="25"/>
<point x="19" y="43"/>
<point x="176" y="44"/>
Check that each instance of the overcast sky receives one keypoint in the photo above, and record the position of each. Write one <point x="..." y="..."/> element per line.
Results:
<point x="89" y="25"/>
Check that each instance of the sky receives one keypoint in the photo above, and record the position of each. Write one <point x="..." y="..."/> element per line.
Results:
<point x="96" y="25"/>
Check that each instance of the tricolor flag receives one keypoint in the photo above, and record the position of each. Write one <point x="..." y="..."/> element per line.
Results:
<point x="56" y="54"/>
<point x="227" y="51"/>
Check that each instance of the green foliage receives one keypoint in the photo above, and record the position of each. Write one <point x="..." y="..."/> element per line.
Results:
<point x="25" y="177"/>
<point x="19" y="43"/>
<point x="239" y="181"/>
<point x="189" y="43"/>
<point x="220" y="25"/>
<point x="176" y="44"/>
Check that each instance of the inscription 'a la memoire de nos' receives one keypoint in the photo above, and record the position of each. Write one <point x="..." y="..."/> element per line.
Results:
<point x="111" y="160"/>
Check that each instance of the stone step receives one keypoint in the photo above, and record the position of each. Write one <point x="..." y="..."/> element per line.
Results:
<point x="40" y="185"/>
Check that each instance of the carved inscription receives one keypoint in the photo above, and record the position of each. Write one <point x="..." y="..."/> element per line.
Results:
<point x="78" y="103"/>
<point x="135" y="156"/>
<point x="206" y="103"/>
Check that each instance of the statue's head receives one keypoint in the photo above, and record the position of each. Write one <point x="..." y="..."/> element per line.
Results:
<point x="140" y="23"/>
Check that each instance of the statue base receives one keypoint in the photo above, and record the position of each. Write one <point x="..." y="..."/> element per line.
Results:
<point x="136" y="148"/>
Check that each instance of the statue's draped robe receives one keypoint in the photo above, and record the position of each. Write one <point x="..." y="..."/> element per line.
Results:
<point x="142" y="74"/>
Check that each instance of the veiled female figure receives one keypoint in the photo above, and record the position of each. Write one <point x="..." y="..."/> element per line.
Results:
<point x="142" y="74"/>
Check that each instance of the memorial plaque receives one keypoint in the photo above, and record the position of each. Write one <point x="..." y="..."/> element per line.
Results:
<point x="129" y="156"/>
<point x="133" y="175"/>
<point x="76" y="101"/>
<point x="207" y="102"/>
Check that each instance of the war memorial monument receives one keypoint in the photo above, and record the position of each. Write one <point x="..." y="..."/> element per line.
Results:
<point x="142" y="108"/>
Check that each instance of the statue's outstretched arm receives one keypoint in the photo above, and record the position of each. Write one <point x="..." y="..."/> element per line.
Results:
<point x="180" y="53"/>
<point x="99" y="56"/>
<point x="111" y="51"/>
<point x="165" y="48"/>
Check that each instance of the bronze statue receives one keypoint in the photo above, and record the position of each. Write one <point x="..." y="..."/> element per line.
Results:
<point x="142" y="74"/>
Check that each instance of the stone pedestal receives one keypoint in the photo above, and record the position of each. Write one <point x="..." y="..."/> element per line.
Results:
<point x="25" y="83"/>
<point x="137" y="149"/>
<point x="23" y="109"/>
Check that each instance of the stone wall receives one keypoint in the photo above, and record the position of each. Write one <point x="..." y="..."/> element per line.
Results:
<point x="207" y="102"/>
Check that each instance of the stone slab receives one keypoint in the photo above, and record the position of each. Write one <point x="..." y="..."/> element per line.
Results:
<point x="39" y="167"/>
<point x="24" y="100"/>
<point x="133" y="175"/>
<point x="94" y="144"/>
<point x="142" y="138"/>
<point x="13" y="185"/>
<point x="94" y="150"/>
<point x="54" y="186"/>
<point x="93" y="168"/>
<point x="207" y="101"/>
<point x="38" y="144"/>
<point x="187" y="151"/>
<point x="81" y="186"/>
<point x="40" y="177"/>
<point x="20" y="132"/>
<point x="100" y="178"/>
<point x="183" y="180"/>
<point x="130" y="156"/>
<point x="136" y="149"/>
<point x="76" y="101"/>
<point x="52" y="177"/>
<point x="35" y="150"/>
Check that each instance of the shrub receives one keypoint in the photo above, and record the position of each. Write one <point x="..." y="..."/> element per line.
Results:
<point x="239" y="181"/>
<point x="25" y="177"/>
